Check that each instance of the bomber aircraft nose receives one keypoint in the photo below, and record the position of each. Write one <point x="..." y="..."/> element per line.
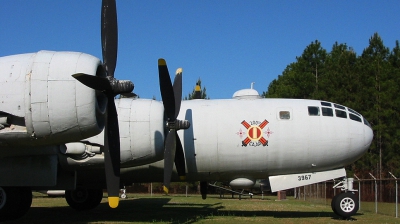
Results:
<point x="368" y="133"/>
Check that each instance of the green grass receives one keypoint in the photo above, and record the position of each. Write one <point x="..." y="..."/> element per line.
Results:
<point x="180" y="209"/>
<point x="383" y="208"/>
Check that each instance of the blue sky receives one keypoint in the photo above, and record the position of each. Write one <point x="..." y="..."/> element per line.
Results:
<point x="228" y="44"/>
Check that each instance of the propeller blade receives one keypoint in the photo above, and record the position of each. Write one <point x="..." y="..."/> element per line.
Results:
<point x="178" y="90"/>
<point x="112" y="154"/>
<point x="180" y="159"/>
<point x="172" y="97"/>
<point x="167" y="91"/>
<point x="109" y="35"/>
<point x="110" y="87"/>
<point x="109" y="44"/>
<point x="169" y="155"/>
<point x="94" y="82"/>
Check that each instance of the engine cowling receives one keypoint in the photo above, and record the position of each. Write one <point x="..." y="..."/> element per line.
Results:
<point x="141" y="125"/>
<point x="43" y="104"/>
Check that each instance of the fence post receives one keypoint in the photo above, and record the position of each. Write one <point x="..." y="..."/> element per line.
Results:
<point x="396" y="191"/>
<point x="359" y="192"/>
<point x="376" y="194"/>
<point x="325" y="192"/>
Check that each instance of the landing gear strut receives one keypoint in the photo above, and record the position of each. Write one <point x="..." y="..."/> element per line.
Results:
<point x="203" y="189"/>
<point x="14" y="202"/>
<point x="83" y="199"/>
<point x="345" y="204"/>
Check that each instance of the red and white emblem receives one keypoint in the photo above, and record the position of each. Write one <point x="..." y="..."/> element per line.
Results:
<point x="255" y="133"/>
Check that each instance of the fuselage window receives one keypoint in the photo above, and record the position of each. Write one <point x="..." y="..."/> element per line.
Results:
<point x="341" y="113"/>
<point x="326" y="104"/>
<point x="284" y="115"/>
<point x="327" y="112"/>
<point x="354" y="117"/>
<point x="313" y="111"/>
<point x="339" y="106"/>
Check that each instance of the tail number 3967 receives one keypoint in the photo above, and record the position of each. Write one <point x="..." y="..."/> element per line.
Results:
<point x="304" y="177"/>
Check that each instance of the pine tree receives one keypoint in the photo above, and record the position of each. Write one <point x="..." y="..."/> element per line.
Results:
<point x="375" y="69"/>
<point x="311" y="66"/>
<point x="203" y="92"/>
<point x="340" y="81"/>
<point x="392" y="155"/>
<point x="301" y="78"/>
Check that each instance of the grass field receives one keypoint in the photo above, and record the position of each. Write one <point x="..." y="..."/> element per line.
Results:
<point x="192" y="209"/>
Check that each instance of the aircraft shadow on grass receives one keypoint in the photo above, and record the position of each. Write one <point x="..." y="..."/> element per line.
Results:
<point x="153" y="210"/>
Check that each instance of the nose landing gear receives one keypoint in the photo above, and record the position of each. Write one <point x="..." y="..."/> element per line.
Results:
<point x="345" y="204"/>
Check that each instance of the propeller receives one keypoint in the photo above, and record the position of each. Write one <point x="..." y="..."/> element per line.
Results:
<point x="110" y="87"/>
<point x="171" y="96"/>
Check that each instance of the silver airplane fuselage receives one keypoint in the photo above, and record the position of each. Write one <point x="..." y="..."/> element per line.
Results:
<point x="255" y="138"/>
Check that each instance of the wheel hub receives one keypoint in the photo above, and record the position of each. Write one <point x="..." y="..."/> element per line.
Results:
<point x="79" y="195"/>
<point x="347" y="204"/>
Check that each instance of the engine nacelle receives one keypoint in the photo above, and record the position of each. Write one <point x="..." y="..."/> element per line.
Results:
<point x="141" y="125"/>
<point x="43" y="104"/>
<point x="141" y="129"/>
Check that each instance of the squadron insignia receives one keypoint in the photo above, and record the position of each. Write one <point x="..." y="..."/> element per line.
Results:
<point x="254" y="133"/>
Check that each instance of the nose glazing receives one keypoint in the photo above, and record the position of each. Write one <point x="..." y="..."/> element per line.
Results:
<point x="368" y="134"/>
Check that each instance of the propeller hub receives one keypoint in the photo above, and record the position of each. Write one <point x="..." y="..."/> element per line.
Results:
<point x="178" y="124"/>
<point x="120" y="86"/>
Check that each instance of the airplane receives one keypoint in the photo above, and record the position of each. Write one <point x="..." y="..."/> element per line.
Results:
<point x="290" y="142"/>
<point x="286" y="142"/>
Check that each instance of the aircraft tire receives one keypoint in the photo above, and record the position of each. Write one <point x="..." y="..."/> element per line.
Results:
<point x="82" y="199"/>
<point x="14" y="202"/>
<point x="346" y="204"/>
<point x="333" y="204"/>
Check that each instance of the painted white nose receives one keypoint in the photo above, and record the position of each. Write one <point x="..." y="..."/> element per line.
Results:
<point x="368" y="134"/>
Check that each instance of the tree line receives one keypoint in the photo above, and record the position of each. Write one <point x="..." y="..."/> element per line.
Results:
<point x="368" y="83"/>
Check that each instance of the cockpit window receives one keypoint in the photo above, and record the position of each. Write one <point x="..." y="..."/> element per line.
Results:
<point x="284" y="115"/>
<point x="367" y="123"/>
<point x="327" y="112"/>
<point x="340" y="113"/>
<point x="353" y="111"/>
<point x="326" y="104"/>
<point x="354" y="117"/>
<point x="313" y="111"/>
<point x="339" y="106"/>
